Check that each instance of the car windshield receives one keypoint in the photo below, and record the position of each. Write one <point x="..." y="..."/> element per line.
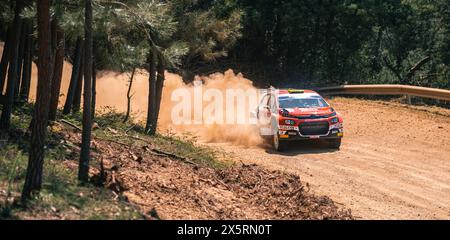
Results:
<point x="302" y="102"/>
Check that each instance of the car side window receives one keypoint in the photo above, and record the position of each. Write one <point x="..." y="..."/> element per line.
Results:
<point x="272" y="104"/>
<point x="264" y="100"/>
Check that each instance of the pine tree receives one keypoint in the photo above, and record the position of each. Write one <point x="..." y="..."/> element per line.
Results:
<point x="33" y="179"/>
<point x="83" y="173"/>
<point x="5" y="119"/>
<point x="57" y="71"/>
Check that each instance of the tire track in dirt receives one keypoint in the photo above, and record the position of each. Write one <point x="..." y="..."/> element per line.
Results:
<point x="394" y="162"/>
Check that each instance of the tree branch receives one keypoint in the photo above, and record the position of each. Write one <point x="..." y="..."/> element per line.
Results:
<point x="416" y="67"/>
<point x="392" y="68"/>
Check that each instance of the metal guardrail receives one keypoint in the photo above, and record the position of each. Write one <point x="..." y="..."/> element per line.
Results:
<point x="387" y="89"/>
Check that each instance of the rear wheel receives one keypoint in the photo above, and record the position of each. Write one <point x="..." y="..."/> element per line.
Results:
<point x="335" y="143"/>
<point x="278" y="144"/>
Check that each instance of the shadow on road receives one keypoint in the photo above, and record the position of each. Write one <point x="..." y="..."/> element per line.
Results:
<point x="303" y="147"/>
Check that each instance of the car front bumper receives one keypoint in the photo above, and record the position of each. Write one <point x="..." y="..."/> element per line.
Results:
<point x="295" y="135"/>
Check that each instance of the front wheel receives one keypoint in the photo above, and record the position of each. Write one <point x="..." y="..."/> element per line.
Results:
<point x="278" y="144"/>
<point x="335" y="143"/>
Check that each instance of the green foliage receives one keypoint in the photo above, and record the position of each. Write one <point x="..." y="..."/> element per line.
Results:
<point x="6" y="16"/>
<point x="210" y="29"/>
<point x="208" y="36"/>
<point x="334" y="42"/>
<point x="126" y="33"/>
<point x="289" y="42"/>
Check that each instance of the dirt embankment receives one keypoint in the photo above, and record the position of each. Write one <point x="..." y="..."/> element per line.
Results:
<point x="166" y="188"/>
<point x="394" y="162"/>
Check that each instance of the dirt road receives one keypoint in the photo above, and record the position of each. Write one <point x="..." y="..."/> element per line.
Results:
<point x="394" y="162"/>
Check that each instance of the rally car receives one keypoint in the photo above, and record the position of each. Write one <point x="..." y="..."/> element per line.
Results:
<point x="292" y="115"/>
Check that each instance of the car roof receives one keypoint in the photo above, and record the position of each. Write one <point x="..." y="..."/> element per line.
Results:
<point x="300" y="96"/>
<point x="296" y="93"/>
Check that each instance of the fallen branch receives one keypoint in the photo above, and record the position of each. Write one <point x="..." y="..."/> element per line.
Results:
<point x="114" y="141"/>
<point x="171" y="155"/>
<point x="71" y="124"/>
<point x="222" y="183"/>
<point x="154" y="151"/>
<point x="158" y="154"/>
<point x="129" y="129"/>
<point x="416" y="67"/>
<point x="138" y="138"/>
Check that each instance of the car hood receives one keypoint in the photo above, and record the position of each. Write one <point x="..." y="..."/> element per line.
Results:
<point x="309" y="111"/>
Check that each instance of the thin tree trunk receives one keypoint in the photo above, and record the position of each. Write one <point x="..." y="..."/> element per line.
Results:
<point x="127" y="116"/>
<point x="79" y="87"/>
<point x="57" y="74"/>
<point x="159" y="86"/>
<point x="5" y="120"/>
<point x="94" y="88"/>
<point x="150" y="127"/>
<point x="5" y="58"/>
<point x="33" y="179"/>
<point x="83" y="172"/>
<point x="27" y="66"/>
<point x="74" y="78"/>
<point x="23" y="37"/>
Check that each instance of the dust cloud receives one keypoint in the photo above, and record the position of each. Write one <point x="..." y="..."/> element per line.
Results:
<point x="112" y="91"/>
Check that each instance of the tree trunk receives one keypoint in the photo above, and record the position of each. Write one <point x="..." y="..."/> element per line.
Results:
<point x="27" y="65"/>
<point x="79" y="87"/>
<point x="159" y="86"/>
<point x="150" y="127"/>
<point x="83" y="172"/>
<point x="127" y="116"/>
<point x="5" y="58"/>
<point x="57" y="74"/>
<point x="74" y="78"/>
<point x="5" y="120"/>
<point x="33" y="179"/>
<point x="22" y="44"/>
<point x="54" y="35"/>
<point x="94" y="88"/>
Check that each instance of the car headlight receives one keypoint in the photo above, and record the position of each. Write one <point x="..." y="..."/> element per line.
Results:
<point x="334" y="120"/>
<point x="284" y="112"/>
<point x="289" y="122"/>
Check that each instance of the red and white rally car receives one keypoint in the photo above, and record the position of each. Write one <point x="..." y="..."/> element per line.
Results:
<point x="290" y="115"/>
